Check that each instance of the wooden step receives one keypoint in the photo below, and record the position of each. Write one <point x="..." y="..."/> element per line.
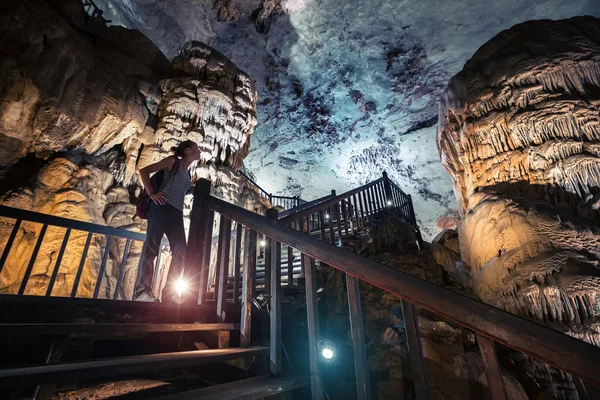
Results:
<point x="108" y="328"/>
<point x="111" y="367"/>
<point x="247" y="389"/>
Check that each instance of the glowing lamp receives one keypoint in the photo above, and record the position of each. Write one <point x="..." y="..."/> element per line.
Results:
<point x="327" y="349"/>
<point x="389" y="202"/>
<point x="263" y="243"/>
<point x="327" y="353"/>
<point x="181" y="286"/>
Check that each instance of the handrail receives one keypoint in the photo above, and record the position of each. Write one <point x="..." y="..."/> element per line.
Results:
<point x="260" y="189"/>
<point x="562" y="351"/>
<point x="328" y="202"/>
<point x="47" y="219"/>
<point x="50" y="220"/>
<point x="304" y="206"/>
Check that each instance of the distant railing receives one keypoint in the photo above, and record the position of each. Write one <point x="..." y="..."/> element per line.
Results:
<point x="285" y="202"/>
<point x="21" y="216"/>
<point x="334" y="217"/>
<point x="94" y="11"/>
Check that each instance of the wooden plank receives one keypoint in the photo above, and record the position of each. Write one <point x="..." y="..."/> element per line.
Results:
<point x="275" y="311"/>
<point x="222" y="267"/>
<point x="247" y="389"/>
<point x="338" y="223"/>
<point x="205" y="256"/>
<point x="357" y="329"/>
<point x="322" y="224"/>
<point x="330" y="225"/>
<point x="312" y="317"/>
<point x="248" y="287"/>
<point x="415" y="351"/>
<point x="110" y="328"/>
<point x="361" y="197"/>
<point x="358" y="212"/>
<point x="492" y="367"/>
<point x="345" y="215"/>
<point x="111" y="367"/>
<point x="290" y="266"/>
<point x="559" y="350"/>
<point x="237" y="264"/>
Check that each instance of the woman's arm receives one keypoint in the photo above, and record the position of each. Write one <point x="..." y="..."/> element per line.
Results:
<point x="158" y="198"/>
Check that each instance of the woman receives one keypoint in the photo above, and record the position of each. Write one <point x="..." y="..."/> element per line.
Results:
<point x="166" y="217"/>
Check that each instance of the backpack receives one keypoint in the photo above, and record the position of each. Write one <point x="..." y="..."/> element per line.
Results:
<point x="142" y="206"/>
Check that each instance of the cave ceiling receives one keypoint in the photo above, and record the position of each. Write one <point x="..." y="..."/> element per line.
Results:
<point x="347" y="89"/>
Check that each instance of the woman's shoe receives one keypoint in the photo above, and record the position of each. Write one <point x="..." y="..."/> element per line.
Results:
<point x="147" y="297"/>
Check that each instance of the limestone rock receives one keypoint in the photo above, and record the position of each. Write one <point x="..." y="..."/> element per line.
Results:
<point x="209" y="100"/>
<point x="518" y="133"/>
<point x="66" y="88"/>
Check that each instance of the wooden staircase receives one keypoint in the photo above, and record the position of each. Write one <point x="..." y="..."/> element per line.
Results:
<point x="219" y="318"/>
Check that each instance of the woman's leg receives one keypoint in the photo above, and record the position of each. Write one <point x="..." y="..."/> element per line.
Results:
<point x="176" y="235"/>
<point x="154" y="234"/>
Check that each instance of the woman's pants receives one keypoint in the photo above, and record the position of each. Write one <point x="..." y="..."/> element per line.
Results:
<point x="167" y="220"/>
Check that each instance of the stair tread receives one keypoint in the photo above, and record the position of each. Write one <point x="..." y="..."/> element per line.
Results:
<point x="251" y="388"/>
<point x="116" y="328"/>
<point x="110" y="367"/>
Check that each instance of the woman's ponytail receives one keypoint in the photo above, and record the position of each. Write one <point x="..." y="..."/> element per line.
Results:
<point x="179" y="150"/>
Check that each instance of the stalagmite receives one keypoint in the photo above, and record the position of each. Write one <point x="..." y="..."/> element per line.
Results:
<point x="519" y="133"/>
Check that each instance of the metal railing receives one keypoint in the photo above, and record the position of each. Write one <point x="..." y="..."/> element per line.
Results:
<point x="490" y="324"/>
<point x="111" y="234"/>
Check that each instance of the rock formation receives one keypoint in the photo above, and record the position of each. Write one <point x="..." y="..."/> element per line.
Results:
<point x="209" y="100"/>
<point x="78" y="101"/>
<point x="519" y="134"/>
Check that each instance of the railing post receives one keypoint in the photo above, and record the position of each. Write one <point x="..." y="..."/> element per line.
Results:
<point x="275" y="312"/>
<point x="411" y="209"/>
<point x="248" y="286"/>
<point x="312" y="318"/>
<point x="199" y="241"/>
<point x="222" y="273"/>
<point x="388" y="190"/>
<point x="357" y="329"/>
<point x="415" y="350"/>
<point x="492" y="367"/>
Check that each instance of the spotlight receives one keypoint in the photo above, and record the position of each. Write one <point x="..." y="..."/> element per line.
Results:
<point x="327" y="349"/>
<point x="181" y="286"/>
<point x="327" y="353"/>
<point x="389" y="202"/>
<point x="263" y="243"/>
<point x="326" y="216"/>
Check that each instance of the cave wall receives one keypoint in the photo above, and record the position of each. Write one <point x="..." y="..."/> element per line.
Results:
<point x="519" y="132"/>
<point x="81" y="112"/>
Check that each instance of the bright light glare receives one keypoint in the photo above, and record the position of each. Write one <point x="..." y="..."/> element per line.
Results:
<point x="327" y="353"/>
<point x="263" y="243"/>
<point x="181" y="286"/>
<point x="389" y="203"/>
<point x="326" y="216"/>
